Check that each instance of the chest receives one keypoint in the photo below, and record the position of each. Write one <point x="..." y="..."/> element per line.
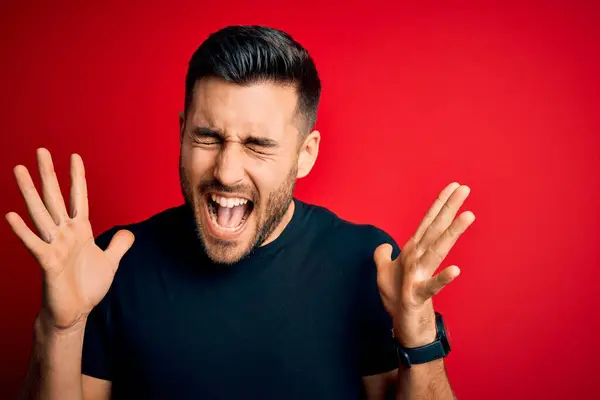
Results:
<point x="268" y="332"/>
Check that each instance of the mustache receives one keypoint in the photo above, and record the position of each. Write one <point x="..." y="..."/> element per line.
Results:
<point x="216" y="186"/>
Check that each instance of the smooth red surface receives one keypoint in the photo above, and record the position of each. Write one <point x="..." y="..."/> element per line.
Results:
<point x="502" y="97"/>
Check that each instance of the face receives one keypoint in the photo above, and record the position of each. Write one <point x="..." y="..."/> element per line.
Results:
<point x="241" y="153"/>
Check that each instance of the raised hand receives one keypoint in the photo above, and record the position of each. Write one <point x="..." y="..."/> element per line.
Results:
<point x="76" y="272"/>
<point x="407" y="284"/>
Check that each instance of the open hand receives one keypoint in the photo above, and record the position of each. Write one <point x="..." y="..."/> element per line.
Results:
<point x="407" y="284"/>
<point x="76" y="272"/>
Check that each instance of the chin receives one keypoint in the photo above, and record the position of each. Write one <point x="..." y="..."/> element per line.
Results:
<point x="229" y="242"/>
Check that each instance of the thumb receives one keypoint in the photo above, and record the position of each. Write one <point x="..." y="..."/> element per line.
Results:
<point x="118" y="246"/>
<point x="383" y="254"/>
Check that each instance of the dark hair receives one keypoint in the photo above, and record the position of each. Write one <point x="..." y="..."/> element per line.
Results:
<point x="251" y="54"/>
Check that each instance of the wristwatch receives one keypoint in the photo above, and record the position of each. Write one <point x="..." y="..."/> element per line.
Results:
<point x="439" y="348"/>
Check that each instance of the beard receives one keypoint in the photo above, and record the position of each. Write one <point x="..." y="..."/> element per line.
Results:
<point x="266" y="219"/>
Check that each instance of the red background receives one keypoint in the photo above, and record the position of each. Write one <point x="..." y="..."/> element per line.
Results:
<point x="504" y="98"/>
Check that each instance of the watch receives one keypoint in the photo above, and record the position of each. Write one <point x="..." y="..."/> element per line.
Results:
<point x="439" y="348"/>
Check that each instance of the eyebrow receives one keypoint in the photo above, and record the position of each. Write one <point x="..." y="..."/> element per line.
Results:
<point x="250" y="139"/>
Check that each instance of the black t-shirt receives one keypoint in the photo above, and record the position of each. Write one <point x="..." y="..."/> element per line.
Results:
<point x="300" y="318"/>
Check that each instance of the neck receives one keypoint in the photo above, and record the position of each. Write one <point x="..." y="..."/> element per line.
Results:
<point x="282" y="225"/>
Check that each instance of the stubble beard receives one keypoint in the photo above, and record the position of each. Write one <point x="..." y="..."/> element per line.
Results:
<point x="220" y="251"/>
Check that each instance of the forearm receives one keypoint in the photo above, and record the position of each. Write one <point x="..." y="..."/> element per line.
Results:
<point x="55" y="366"/>
<point x="424" y="381"/>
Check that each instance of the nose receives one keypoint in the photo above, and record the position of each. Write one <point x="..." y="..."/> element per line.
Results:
<point x="229" y="168"/>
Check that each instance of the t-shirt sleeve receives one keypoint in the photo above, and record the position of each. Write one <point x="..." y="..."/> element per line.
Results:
<point x="377" y="351"/>
<point x="97" y="344"/>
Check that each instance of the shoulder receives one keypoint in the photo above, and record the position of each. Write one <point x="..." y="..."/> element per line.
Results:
<point x="159" y="226"/>
<point x="166" y="237"/>
<point x="359" y="239"/>
<point x="162" y="242"/>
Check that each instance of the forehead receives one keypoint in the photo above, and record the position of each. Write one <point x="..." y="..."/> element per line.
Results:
<point x="263" y="107"/>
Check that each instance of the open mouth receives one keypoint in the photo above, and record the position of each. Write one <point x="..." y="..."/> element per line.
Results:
<point x="228" y="214"/>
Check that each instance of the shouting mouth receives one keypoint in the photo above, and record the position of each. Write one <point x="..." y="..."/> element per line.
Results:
<point x="227" y="215"/>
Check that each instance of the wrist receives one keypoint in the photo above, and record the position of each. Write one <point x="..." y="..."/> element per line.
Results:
<point x="421" y="349"/>
<point x="413" y="340"/>
<point x="45" y="327"/>
<point x="415" y="329"/>
<point x="53" y="346"/>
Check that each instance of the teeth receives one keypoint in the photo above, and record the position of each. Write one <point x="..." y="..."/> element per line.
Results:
<point x="229" y="202"/>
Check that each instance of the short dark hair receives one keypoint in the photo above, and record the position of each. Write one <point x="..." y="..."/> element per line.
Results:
<point x="251" y="54"/>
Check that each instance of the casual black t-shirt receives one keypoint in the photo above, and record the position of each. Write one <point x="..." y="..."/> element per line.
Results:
<point x="300" y="318"/>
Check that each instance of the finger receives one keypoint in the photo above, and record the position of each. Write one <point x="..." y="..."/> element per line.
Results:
<point x="444" y="218"/>
<point x="35" y="206"/>
<point x="33" y="243"/>
<point x="118" y="246"/>
<point x="435" y="209"/>
<point x="383" y="254"/>
<point x="79" y="195"/>
<point x="53" y="198"/>
<point x="435" y="284"/>
<point x="435" y="254"/>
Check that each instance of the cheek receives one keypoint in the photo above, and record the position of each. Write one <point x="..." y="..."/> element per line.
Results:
<point x="268" y="176"/>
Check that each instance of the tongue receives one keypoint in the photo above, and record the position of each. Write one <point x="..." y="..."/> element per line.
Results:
<point x="230" y="217"/>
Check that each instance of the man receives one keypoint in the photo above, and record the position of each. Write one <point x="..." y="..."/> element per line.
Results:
<point x="243" y="291"/>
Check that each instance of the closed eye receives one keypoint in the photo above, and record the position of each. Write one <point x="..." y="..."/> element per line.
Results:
<point x="210" y="137"/>
<point x="261" y="145"/>
<point x="206" y="136"/>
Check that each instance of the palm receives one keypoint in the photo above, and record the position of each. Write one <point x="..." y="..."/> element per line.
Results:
<point x="407" y="284"/>
<point x="77" y="273"/>
<point x="77" y="280"/>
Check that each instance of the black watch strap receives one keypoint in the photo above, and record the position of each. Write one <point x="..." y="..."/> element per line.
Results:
<point x="439" y="348"/>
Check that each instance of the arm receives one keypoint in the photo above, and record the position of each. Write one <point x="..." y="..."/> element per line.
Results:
<point x="76" y="276"/>
<point x="423" y="381"/>
<point x="407" y="285"/>
<point x="427" y="380"/>
<point x="55" y="366"/>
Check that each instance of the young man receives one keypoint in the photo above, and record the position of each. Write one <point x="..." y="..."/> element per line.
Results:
<point x="243" y="291"/>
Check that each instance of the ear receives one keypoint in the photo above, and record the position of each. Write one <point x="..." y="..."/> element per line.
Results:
<point x="181" y="125"/>
<point x="308" y="153"/>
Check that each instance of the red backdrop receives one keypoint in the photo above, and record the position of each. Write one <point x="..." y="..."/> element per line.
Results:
<point x="503" y="98"/>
